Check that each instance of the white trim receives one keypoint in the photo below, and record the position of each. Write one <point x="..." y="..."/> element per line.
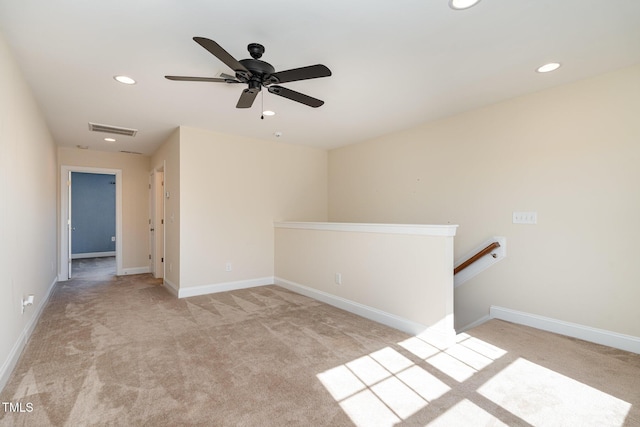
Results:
<point x="93" y="255"/>
<point x="16" y="351"/>
<point x="135" y="270"/>
<point x="172" y="288"/>
<point x="370" y="313"/>
<point x="63" y="268"/>
<point x="587" y="333"/>
<point x="223" y="287"/>
<point x="415" y="229"/>
<point x="481" y="264"/>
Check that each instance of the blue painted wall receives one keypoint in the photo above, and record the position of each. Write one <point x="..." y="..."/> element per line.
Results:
<point x="93" y="212"/>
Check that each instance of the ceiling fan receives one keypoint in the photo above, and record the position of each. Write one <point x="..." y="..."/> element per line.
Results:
<point x="256" y="73"/>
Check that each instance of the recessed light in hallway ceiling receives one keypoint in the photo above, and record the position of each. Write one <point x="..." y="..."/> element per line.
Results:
<point x="547" y="68"/>
<point x="125" y="80"/>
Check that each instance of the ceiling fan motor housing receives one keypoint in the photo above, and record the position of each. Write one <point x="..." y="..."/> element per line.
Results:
<point x="256" y="50"/>
<point x="259" y="69"/>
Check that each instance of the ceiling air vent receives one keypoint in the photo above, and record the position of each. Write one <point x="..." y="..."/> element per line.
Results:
<point x="95" y="127"/>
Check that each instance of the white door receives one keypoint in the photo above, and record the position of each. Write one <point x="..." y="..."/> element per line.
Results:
<point x="156" y="223"/>
<point x="69" y="230"/>
<point x="152" y="223"/>
<point x="159" y="228"/>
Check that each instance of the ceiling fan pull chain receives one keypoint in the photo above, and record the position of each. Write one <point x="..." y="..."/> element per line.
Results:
<point x="262" y="99"/>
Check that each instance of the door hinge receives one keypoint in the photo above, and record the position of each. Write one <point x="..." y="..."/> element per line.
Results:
<point x="149" y="256"/>
<point x="162" y="221"/>
<point x="149" y="221"/>
<point x="149" y="186"/>
<point x="161" y="259"/>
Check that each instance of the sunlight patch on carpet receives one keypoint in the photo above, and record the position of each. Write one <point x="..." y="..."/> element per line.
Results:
<point x="377" y="389"/>
<point x="385" y="387"/>
<point x="466" y="413"/>
<point x="537" y="394"/>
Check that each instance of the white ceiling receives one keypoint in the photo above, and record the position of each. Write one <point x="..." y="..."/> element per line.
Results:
<point x="395" y="63"/>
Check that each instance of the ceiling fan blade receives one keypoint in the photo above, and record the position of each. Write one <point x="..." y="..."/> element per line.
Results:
<point x="201" y="79"/>
<point x="303" y="73"/>
<point x="246" y="98"/>
<point x="295" y="96"/>
<point x="216" y="50"/>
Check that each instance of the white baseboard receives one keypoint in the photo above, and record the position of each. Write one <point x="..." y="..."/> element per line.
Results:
<point x="135" y="270"/>
<point x="587" y="333"/>
<point x="223" y="287"/>
<point x="370" y="313"/>
<point x="16" y="351"/>
<point x="172" y="288"/>
<point x="93" y="255"/>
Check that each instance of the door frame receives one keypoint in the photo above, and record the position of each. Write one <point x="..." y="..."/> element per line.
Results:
<point x="65" y="211"/>
<point x="156" y="222"/>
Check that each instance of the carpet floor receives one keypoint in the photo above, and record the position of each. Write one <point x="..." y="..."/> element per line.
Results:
<point x="122" y="351"/>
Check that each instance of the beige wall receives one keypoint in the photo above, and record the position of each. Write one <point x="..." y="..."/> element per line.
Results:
<point x="28" y="208"/>
<point x="232" y="189"/>
<point x="569" y="153"/>
<point x="135" y="197"/>
<point x="405" y="275"/>
<point x="167" y="157"/>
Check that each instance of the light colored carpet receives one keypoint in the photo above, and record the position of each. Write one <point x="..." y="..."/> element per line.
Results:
<point x="123" y="351"/>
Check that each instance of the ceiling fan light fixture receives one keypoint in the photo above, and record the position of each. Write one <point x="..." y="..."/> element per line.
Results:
<point x="547" y="68"/>
<point x="462" y="4"/>
<point x="269" y="113"/>
<point x="125" y="80"/>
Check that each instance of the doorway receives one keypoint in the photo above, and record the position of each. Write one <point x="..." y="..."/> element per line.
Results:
<point x="67" y="254"/>
<point x="93" y="224"/>
<point x="156" y="222"/>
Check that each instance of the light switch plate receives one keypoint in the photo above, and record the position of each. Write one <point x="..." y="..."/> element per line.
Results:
<point x="525" y="217"/>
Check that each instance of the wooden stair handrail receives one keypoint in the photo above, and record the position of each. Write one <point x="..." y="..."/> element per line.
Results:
<point x="476" y="257"/>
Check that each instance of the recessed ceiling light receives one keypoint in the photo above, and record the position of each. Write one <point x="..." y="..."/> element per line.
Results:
<point x="546" y="68"/>
<point x="110" y="140"/>
<point x="269" y="113"/>
<point x="125" y="79"/>
<point x="462" y="4"/>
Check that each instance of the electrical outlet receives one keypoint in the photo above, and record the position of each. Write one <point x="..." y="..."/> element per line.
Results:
<point x="338" y="278"/>
<point x="27" y="301"/>
<point x="227" y="266"/>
